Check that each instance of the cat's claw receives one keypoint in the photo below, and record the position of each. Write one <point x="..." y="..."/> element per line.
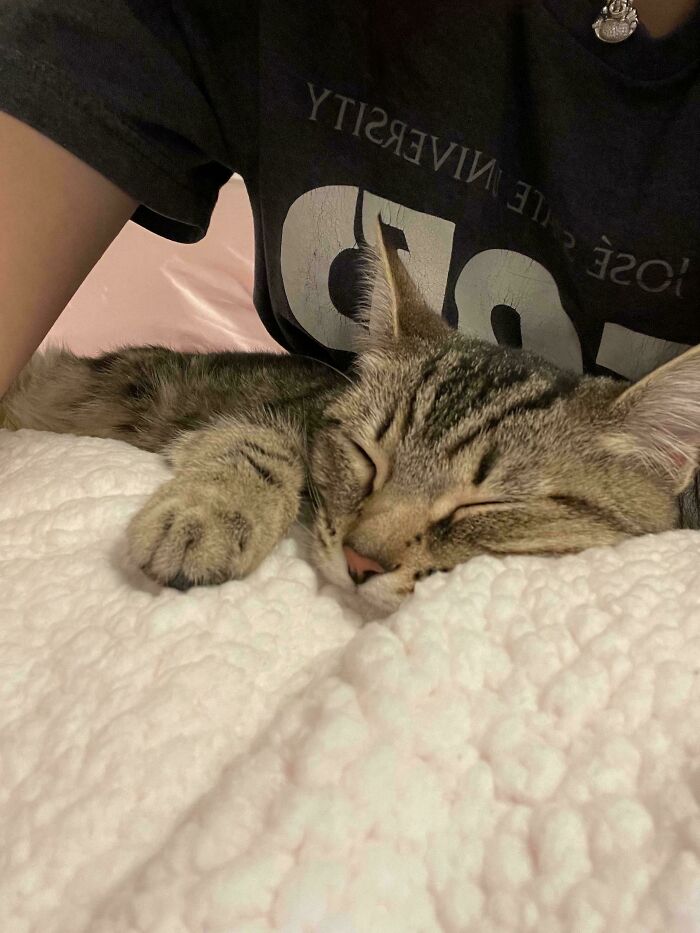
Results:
<point x="180" y="582"/>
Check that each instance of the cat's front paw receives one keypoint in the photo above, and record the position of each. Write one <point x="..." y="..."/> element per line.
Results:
<point x="192" y="534"/>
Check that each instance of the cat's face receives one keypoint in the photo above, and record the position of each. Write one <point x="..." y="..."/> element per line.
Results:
<point x="446" y="448"/>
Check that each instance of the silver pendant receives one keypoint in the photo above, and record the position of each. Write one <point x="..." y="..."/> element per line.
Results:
<point x="617" y="21"/>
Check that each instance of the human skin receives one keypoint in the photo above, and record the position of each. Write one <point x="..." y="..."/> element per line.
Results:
<point x="58" y="217"/>
<point x="663" y="16"/>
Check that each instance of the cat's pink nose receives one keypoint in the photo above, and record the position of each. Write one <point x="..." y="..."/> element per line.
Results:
<point x="360" y="567"/>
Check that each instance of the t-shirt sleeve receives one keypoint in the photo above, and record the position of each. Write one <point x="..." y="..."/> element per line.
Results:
<point x="115" y="83"/>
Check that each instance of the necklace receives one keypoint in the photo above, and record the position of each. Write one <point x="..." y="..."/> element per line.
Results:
<point x="616" y="22"/>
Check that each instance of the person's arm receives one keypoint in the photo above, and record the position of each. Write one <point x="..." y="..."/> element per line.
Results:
<point x="57" y="217"/>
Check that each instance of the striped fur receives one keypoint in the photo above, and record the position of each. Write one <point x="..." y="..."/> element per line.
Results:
<point x="435" y="448"/>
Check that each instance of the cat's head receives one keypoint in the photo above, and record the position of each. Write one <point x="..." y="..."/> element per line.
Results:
<point x="446" y="447"/>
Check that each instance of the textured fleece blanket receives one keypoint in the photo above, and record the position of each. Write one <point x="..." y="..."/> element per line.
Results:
<point x="517" y="749"/>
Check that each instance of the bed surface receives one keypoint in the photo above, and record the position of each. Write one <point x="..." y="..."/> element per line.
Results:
<point x="515" y="750"/>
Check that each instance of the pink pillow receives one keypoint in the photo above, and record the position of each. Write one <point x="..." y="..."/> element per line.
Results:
<point x="146" y="289"/>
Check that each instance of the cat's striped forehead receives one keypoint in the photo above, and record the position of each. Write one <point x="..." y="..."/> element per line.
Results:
<point x="445" y="398"/>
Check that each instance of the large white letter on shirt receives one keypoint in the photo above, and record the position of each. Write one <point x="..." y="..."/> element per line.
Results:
<point x="320" y="226"/>
<point x="317" y="228"/>
<point x="504" y="277"/>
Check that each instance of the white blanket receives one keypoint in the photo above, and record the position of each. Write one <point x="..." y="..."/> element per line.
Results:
<point x="517" y="749"/>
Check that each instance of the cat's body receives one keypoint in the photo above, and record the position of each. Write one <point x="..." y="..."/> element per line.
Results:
<point x="436" y="448"/>
<point x="148" y="396"/>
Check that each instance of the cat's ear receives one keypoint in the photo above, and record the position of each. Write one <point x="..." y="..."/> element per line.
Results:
<point x="395" y="309"/>
<point x="658" y="420"/>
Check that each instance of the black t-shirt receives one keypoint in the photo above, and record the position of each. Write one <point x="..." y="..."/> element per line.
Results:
<point x="543" y="186"/>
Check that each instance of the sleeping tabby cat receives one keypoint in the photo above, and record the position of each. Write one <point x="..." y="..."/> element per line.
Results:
<point x="436" y="448"/>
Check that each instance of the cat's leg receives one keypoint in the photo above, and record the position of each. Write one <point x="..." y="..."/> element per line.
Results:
<point x="236" y="491"/>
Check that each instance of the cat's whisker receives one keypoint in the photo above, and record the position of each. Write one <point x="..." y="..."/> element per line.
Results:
<point x="314" y="494"/>
<point x="305" y="532"/>
<point x="327" y="365"/>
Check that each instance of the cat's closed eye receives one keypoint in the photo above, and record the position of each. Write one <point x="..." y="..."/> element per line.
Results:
<point x="471" y="508"/>
<point x="364" y="463"/>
